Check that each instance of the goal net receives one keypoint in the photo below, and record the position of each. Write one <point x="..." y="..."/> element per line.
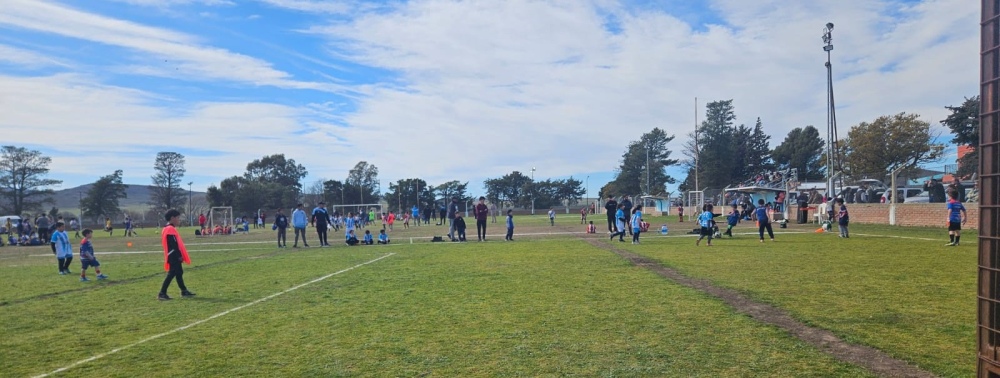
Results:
<point x="696" y="200"/>
<point x="356" y="209"/>
<point x="221" y="217"/>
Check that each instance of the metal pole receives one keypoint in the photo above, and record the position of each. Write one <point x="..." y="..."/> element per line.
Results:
<point x="696" y="144"/>
<point x="647" y="168"/>
<point x="532" y="190"/>
<point x="190" y="216"/>
<point x="828" y="47"/>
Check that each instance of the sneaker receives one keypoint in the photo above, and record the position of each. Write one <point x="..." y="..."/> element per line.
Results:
<point x="295" y="246"/>
<point x="163" y="297"/>
<point x="102" y="276"/>
<point x="62" y="273"/>
<point x="68" y="272"/>
<point x="307" y="245"/>
<point x="952" y="244"/>
<point x="84" y="279"/>
<point x="187" y="294"/>
<point x="761" y="240"/>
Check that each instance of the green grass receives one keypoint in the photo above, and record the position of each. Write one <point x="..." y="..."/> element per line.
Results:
<point x="546" y="305"/>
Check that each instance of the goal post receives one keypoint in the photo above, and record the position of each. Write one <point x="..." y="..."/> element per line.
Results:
<point x="696" y="200"/>
<point x="356" y="209"/>
<point x="219" y="216"/>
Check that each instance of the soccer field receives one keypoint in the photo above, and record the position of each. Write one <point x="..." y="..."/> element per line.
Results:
<point x="555" y="302"/>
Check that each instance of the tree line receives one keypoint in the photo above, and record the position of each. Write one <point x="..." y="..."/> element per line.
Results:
<point x="725" y="154"/>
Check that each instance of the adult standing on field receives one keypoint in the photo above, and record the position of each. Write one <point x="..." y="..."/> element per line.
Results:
<point x="482" y="212"/>
<point x="299" y="221"/>
<point x="609" y="209"/>
<point x="452" y="210"/>
<point x="42" y="223"/>
<point x="321" y="220"/>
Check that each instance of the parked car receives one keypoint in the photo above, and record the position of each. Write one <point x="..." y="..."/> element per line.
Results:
<point x="922" y="197"/>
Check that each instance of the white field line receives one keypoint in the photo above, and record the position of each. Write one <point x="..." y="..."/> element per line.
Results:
<point x="898" y="237"/>
<point x="147" y="252"/>
<point x="224" y="313"/>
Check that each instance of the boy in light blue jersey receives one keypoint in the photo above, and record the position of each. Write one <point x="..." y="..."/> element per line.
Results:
<point x="383" y="238"/>
<point x="368" y="238"/>
<point x="87" y="258"/>
<point x="62" y="248"/>
<point x="705" y="221"/>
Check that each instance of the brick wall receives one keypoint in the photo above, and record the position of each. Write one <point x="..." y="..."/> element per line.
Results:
<point x="907" y="214"/>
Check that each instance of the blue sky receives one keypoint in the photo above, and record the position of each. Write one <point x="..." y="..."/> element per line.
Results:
<point x="450" y="90"/>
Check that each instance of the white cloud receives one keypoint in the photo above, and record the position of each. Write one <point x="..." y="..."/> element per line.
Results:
<point x="482" y="88"/>
<point x="497" y="86"/>
<point x="27" y="58"/>
<point x="171" y="54"/>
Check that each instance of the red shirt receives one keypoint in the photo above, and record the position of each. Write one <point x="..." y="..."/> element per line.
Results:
<point x="482" y="212"/>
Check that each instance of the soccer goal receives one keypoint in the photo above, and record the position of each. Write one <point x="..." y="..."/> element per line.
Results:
<point x="219" y="216"/>
<point x="356" y="209"/>
<point x="696" y="200"/>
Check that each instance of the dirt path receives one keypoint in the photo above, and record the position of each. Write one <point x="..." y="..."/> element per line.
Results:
<point x="870" y="358"/>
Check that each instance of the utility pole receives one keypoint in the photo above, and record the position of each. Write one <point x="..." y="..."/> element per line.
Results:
<point x="696" y="155"/>
<point x="190" y="216"/>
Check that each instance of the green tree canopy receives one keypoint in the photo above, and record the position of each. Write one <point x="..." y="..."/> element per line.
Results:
<point x="802" y="149"/>
<point x="873" y="149"/>
<point x="102" y="199"/>
<point x="507" y="189"/>
<point x="23" y="185"/>
<point x="643" y="165"/>
<point x="964" y="124"/>
<point x="166" y="192"/>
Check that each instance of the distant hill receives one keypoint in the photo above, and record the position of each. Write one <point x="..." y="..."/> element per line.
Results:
<point x="137" y="195"/>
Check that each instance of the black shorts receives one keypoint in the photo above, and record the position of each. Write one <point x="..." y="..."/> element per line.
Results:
<point x="954" y="226"/>
<point x="706" y="231"/>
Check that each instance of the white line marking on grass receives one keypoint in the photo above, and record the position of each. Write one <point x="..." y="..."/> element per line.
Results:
<point x="224" y="313"/>
<point x="148" y="252"/>
<point x="898" y="237"/>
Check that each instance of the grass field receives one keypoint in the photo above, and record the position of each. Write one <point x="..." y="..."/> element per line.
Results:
<point x="549" y="304"/>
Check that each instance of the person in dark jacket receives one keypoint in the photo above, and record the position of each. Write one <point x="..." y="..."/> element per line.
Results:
<point x="482" y="212"/>
<point x="281" y="225"/>
<point x="609" y="209"/>
<point x="176" y="253"/>
<point x="459" y="223"/>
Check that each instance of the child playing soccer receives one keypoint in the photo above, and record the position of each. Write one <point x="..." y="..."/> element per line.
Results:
<point x="636" y="223"/>
<point x="763" y="221"/>
<point x="510" y="226"/>
<point x="383" y="238"/>
<point x="87" y="258"/>
<point x="62" y="248"/>
<point x="956" y="218"/>
<point x="705" y="221"/>
<point x="552" y="216"/>
<point x="619" y="224"/>
<point x="107" y="226"/>
<point x="591" y="229"/>
<point x="368" y="238"/>
<point x="731" y="220"/>
<point x="174" y="253"/>
<point x="680" y="213"/>
<point x="843" y="218"/>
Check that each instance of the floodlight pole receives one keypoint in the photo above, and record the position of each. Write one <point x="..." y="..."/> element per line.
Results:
<point x="696" y="144"/>
<point x="831" y="123"/>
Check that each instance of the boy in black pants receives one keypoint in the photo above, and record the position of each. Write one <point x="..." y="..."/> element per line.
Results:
<point x="174" y="253"/>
